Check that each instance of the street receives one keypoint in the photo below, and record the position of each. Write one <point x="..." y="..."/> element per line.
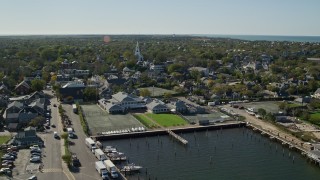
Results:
<point x="52" y="161"/>
<point x="87" y="159"/>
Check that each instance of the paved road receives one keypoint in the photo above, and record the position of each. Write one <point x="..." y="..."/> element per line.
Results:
<point x="87" y="159"/>
<point x="269" y="127"/>
<point x="52" y="162"/>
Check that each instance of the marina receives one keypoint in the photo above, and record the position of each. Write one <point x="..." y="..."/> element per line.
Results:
<point x="223" y="154"/>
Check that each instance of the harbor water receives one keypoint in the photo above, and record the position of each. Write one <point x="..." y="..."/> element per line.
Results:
<point x="238" y="153"/>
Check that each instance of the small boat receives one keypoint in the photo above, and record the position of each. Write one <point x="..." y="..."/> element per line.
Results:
<point x="131" y="168"/>
<point x="115" y="154"/>
<point x="120" y="158"/>
<point x="110" y="149"/>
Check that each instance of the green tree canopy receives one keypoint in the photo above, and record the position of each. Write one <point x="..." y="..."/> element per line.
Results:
<point x="37" y="84"/>
<point x="145" y="92"/>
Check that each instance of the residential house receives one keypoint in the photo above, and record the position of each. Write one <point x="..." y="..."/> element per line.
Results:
<point x="316" y="94"/>
<point x="127" y="71"/>
<point x="26" y="115"/>
<point x="27" y="137"/>
<point x="72" y="91"/>
<point x="27" y="99"/>
<point x="105" y="92"/>
<point x="202" y="70"/>
<point x="22" y="88"/>
<point x="63" y="78"/>
<point x="3" y="100"/>
<point x="11" y="114"/>
<point x="157" y="67"/>
<point x="157" y="106"/>
<point x="180" y="106"/>
<point x="4" y="90"/>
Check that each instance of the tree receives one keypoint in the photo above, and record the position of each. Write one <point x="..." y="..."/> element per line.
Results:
<point x="64" y="136"/>
<point x="167" y="95"/>
<point x="145" y="92"/>
<point x="262" y="112"/>
<point x="90" y="93"/>
<point x="37" y="121"/>
<point x="37" y="84"/>
<point x="305" y="115"/>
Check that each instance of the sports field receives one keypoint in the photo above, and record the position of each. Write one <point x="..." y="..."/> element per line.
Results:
<point x="100" y="121"/>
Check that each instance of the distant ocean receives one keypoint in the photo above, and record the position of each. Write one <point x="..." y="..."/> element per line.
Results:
<point x="265" y="37"/>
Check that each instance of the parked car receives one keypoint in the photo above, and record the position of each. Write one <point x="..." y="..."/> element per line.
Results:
<point x="35" y="150"/>
<point x="54" y="105"/>
<point x="6" y="171"/>
<point x="34" y="177"/>
<point x="7" y="165"/>
<point x="55" y="134"/>
<point x="36" y="154"/>
<point x="8" y="161"/>
<point x="52" y="125"/>
<point x="34" y="147"/>
<point x="35" y="159"/>
<point x="7" y="157"/>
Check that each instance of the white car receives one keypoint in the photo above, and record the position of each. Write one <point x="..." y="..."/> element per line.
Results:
<point x="55" y="134"/>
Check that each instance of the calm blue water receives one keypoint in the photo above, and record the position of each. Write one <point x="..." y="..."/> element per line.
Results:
<point x="235" y="153"/>
<point x="267" y="37"/>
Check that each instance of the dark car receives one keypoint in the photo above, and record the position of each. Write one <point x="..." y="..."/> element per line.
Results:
<point x="54" y="105"/>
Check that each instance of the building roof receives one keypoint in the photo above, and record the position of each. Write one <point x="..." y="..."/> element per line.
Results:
<point x="122" y="96"/>
<point x="15" y="104"/>
<point x="317" y="91"/>
<point x="23" y="83"/>
<point x="180" y="104"/>
<point x="113" y="107"/>
<point x="156" y="104"/>
<point x="74" y="84"/>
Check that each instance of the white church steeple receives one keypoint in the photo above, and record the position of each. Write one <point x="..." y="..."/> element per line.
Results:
<point x="137" y="53"/>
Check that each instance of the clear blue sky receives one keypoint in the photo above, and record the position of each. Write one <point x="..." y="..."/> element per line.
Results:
<point x="256" y="17"/>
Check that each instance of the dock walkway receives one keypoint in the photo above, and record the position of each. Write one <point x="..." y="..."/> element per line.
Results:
<point x="176" y="136"/>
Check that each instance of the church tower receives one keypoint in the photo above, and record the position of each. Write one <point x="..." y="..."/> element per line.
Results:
<point x="137" y="53"/>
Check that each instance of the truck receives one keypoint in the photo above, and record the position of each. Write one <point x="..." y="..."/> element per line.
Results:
<point x="111" y="168"/>
<point x="74" y="108"/>
<point x="91" y="144"/>
<point x="100" y="154"/>
<point x="101" y="168"/>
<point x="70" y="132"/>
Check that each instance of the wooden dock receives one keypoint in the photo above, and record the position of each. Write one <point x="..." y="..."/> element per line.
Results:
<point x="179" y="138"/>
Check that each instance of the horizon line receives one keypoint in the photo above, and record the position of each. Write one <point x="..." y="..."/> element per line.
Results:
<point x="159" y="34"/>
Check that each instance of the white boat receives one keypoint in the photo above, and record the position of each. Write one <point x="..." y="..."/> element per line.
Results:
<point x="110" y="149"/>
<point x="131" y="168"/>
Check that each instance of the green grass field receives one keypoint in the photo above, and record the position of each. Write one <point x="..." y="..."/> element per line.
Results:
<point x="145" y="121"/>
<point x="168" y="120"/>
<point x="315" y="117"/>
<point x="4" y="139"/>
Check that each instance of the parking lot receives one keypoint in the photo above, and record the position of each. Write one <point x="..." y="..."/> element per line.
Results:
<point x="212" y="117"/>
<point x="23" y="168"/>
<point x="100" y="121"/>
<point x="269" y="106"/>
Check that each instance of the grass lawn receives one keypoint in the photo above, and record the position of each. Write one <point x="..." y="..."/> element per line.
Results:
<point x="145" y="121"/>
<point x="315" y="117"/>
<point x="167" y="120"/>
<point x="4" y="139"/>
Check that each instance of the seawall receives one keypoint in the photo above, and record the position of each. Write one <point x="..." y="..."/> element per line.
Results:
<point x="164" y="132"/>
